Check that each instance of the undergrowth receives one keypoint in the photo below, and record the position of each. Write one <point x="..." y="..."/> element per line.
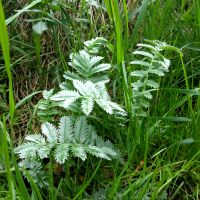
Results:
<point x="95" y="103"/>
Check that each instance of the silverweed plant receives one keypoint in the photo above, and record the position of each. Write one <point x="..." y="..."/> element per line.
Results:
<point x="79" y="138"/>
<point x="150" y="65"/>
<point x="70" y="138"/>
<point x="85" y="87"/>
<point x="74" y="137"/>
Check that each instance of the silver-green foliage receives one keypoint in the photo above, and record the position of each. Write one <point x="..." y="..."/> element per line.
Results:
<point x="88" y="84"/>
<point x="150" y="65"/>
<point x="94" y="45"/>
<point x="87" y="64"/>
<point x="72" y="138"/>
<point x="81" y="90"/>
<point x="76" y="139"/>
<point x="88" y="93"/>
<point x="35" y="169"/>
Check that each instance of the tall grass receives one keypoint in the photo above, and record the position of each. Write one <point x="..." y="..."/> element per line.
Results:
<point x="6" y="54"/>
<point x="14" y="185"/>
<point x="120" y="56"/>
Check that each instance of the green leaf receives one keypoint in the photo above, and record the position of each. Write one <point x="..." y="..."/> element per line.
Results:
<point x="100" y="68"/>
<point x="139" y="73"/>
<point x="66" y="97"/>
<point x="65" y="129"/>
<point x="28" y="149"/>
<point x="147" y="95"/>
<point x="80" y="130"/>
<point x="142" y="63"/>
<point x="137" y="85"/>
<point x="43" y="151"/>
<point x="144" y="53"/>
<point x="93" y="46"/>
<point x="85" y="89"/>
<point x="94" y="60"/>
<point x="71" y="76"/>
<point x="47" y="94"/>
<point x="105" y="105"/>
<point x="98" y="152"/>
<point x="65" y="94"/>
<point x="87" y="105"/>
<point x="40" y="27"/>
<point x="152" y="84"/>
<point x="36" y="138"/>
<point x="50" y="132"/>
<point x="100" y="79"/>
<point x="148" y="46"/>
<point x="156" y="71"/>
<point x="62" y="152"/>
<point x="78" y="151"/>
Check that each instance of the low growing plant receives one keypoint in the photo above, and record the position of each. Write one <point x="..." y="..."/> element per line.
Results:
<point x="76" y="138"/>
<point x="82" y="94"/>
<point x="73" y="137"/>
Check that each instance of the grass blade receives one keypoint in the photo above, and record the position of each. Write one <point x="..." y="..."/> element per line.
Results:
<point x="88" y="182"/>
<point x="6" y="54"/>
<point x="9" y="20"/>
<point x="140" y="17"/>
<point x="7" y="162"/>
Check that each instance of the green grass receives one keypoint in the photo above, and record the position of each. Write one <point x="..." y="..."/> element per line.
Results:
<point x="159" y="153"/>
<point x="6" y="55"/>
